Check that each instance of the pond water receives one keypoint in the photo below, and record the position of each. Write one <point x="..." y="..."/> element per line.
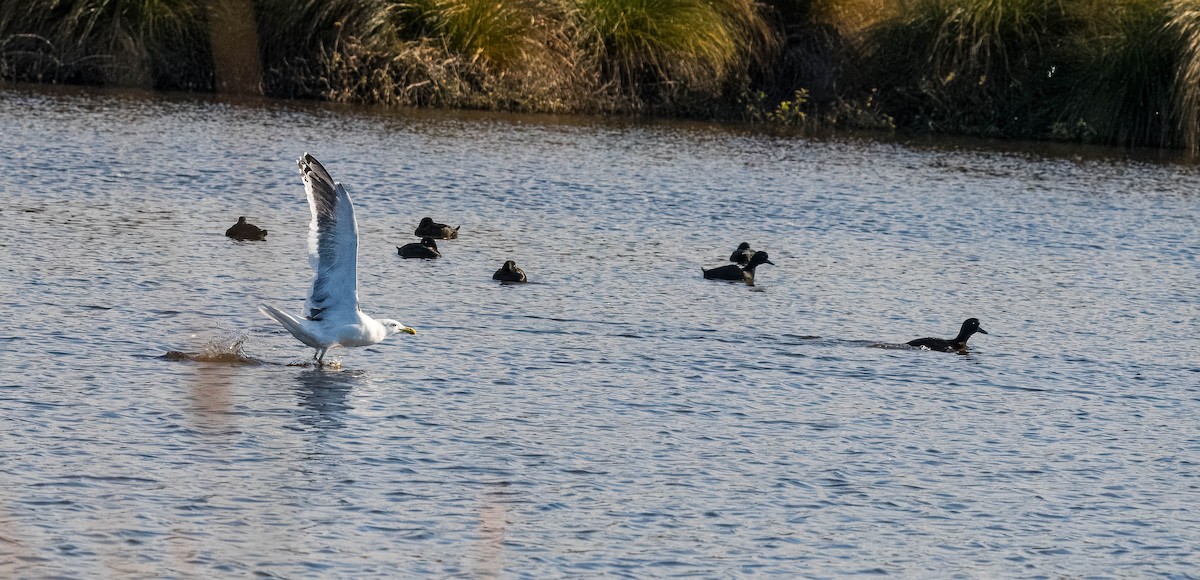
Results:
<point x="619" y="415"/>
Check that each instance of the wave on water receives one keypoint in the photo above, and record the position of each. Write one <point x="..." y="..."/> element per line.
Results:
<point x="226" y="349"/>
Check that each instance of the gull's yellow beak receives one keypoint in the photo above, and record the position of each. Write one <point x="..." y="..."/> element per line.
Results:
<point x="408" y="330"/>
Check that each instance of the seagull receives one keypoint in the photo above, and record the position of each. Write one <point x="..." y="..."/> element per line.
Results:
<point x="331" y="314"/>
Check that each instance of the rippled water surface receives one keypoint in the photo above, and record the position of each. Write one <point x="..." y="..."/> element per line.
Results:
<point x="619" y="415"/>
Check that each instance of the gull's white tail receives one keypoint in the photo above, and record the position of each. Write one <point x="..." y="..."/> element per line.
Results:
<point x="293" y="324"/>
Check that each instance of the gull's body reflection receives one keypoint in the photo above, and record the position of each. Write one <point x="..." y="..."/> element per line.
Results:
<point x="324" y="397"/>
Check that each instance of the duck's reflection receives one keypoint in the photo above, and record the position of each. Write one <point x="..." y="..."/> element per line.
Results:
<point x="323" y="397"/>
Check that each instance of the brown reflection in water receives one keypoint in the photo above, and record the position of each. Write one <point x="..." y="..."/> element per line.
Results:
<point x="211" y="402"/>
<point x="13" y="543"/>
<point x="215" y="363"/>
<point x="182" y="546"/>
<point x="493" y="523"/>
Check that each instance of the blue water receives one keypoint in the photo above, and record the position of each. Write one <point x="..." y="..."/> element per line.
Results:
<point x="619" y="415"/>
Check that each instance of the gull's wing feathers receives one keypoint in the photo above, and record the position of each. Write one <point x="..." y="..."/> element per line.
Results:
<point x="332" y="244"/>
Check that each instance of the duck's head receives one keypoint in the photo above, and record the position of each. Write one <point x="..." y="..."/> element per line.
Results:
<point x="428" y="221"/>
<point x="241" y="220"/>
<point x="742" y="247"/>
<point x="509" y="266"/>
<point x="970" y="326"/>
<point x="760" y="258"/>
<point x="429" y="243"/>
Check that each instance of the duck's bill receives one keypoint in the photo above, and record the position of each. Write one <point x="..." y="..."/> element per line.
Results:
<point x="982" y="331"/>
<point x="770" y="262"/>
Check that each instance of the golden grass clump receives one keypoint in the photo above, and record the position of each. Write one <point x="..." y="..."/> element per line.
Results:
<point x="652" y="48"/>
<point x="1185" y="26"/>
<point x="494" y="33"/>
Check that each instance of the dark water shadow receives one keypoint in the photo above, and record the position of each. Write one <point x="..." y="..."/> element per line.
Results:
<point x="323" y="396"/>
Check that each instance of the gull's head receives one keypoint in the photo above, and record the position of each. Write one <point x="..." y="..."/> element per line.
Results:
<point x="394" y="327"/>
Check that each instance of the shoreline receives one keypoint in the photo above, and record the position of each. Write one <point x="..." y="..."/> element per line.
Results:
<point x="1068" y="151"/>
<point x="1119" y="72"/>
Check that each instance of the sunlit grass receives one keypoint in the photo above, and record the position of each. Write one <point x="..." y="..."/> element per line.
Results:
<point x="646" y="46"/>
<point x="495" y="33"/>
<point x="1184" y="26"/>
<point x="852" y="16"/>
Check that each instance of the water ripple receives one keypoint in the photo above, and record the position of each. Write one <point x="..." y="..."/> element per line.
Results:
<point x="620" y="416"/>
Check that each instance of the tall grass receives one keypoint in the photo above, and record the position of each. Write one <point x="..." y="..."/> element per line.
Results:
<point x="650" y="49"/>
<point x="550" y="55"/>
<point x="976" y="66"/>
<point x="128" y="42"/>
<point x="1115" y="71"/>
<point x="1122" y="65"/>
<point x="1184" y="26"/>
<point x="498" y="54"/>
<point x="295" y="36"/>
<point x="494" y="33"/>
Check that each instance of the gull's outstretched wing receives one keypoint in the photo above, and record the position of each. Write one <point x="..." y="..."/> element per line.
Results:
<point x="332" y="244"/>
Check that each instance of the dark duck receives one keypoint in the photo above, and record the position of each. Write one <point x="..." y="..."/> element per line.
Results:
<point x="509" y="272"/>
<point x="741" y="256"/>
<point x="739" y="273"/>
<point x="243" y="231"/>
<point x="437" y="231"/>
<point x="426" y="248"/>
<point x="957" y="344"/>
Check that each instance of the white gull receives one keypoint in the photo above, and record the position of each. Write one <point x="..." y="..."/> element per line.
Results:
<point x="331" y="314"/>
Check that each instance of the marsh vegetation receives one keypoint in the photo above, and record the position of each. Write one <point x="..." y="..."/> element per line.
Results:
<point x="1121" y="72"/>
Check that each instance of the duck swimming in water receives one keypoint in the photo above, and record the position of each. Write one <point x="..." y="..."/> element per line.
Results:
<point x="957" y="344"/>
<point x="509" y="272"/>
<point x="739" y="273"/>
<point x="430" y="228"/>
<point x="426" y="248"/>
<point x="741" y="256"/>
<point x="242" y="231"/>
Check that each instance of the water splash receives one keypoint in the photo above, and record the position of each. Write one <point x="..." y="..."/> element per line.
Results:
<point x="226" y="349"/>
